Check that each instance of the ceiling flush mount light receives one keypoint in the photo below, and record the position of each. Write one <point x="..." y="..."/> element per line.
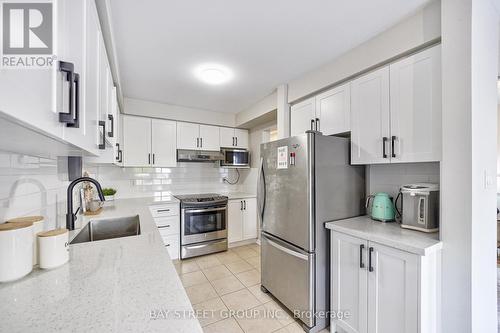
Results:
<point x="213" y="74"/>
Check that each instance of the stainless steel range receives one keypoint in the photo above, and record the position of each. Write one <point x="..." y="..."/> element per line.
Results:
<point x="203" y="224"/>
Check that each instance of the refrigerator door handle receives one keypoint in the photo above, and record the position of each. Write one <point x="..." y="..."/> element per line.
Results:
<point x="287" y="251"/>
<point x="261" y="192"/>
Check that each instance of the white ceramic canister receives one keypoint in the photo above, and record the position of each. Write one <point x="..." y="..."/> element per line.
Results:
<point x="16" y="250"/>
<point x="38" y="224"/>
<point x="53" y="248"/>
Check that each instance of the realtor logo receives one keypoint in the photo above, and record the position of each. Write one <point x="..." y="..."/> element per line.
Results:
<point x="27" y="38"/>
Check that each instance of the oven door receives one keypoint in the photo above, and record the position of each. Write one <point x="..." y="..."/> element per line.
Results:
<point x="203" y="224"/>
<point x="235" y="158"/>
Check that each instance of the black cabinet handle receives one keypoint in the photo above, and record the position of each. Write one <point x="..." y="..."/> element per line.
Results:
<point x="149" y="159"/>
<point x="167" y="245"/>
<point x="197" y="142"/>
<point x="71" y="118"/>
<point x="361" y="264"/>
<point x="393" y="138"/>
<point x="201" y="142"/>
<point x="117" y="158"/>
<point x="241" y="205"/>
<point x="120" y="156"/>
<point x="164" y="226"/>
<point x="233" y="142"/>
<point x="153" y="158"/>
<point x="244" y="205"/>
<point x="112" y="132"/>
<point x="236" y="141"/>
<point x="312" y="124"/>
<point x="102" y="145"/>
<point x="370" y="267"/>
<point x="317" y="124"/>
<point x="384" y="140"/>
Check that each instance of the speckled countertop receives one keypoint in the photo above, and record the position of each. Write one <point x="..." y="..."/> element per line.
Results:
<point x="114" y="285"/>
<point x="390" y="234"/>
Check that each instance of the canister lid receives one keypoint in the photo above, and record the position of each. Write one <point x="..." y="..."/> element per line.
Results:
<point x="54" y="232"/>
<point x="15" y="226"/>
<point x="32" y="219"/>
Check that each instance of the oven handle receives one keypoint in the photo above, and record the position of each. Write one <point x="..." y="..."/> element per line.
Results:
<point x="205" y="210"/>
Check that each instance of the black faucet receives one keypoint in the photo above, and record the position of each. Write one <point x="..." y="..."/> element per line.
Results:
<point x="70" y="216"/>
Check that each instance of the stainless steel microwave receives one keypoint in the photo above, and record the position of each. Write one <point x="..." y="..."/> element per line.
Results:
<point x="235" y="158"/>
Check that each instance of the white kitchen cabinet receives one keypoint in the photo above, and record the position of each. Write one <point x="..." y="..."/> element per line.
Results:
<point x="234" y="221"/>
<point x="370" y="112"/>
<point x="415" y="101"/>
<point x="163" y="143"/>
<point x="209" y="137"/>
<point x="249" y="218"/>
<point x="197" y="137"/>
<point x="188" y="136"/>
<point x="333" y="109"/>
<point x="136" y="141"/>
<point x="349" y="281"/>
<point x="233" y="138"/>
<point x="392" y="290"/>
<point x="385" y="289"/>
<point x="167" y="219"/>
<point x="242" y="219"/>
<point x="149" y="142"/>
<point x="302" y="116"/>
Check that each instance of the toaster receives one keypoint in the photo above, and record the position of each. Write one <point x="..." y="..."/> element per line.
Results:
<point x="419" y="206"/>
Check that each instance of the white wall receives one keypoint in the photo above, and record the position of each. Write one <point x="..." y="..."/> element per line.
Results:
<point x="419" y="29"/>
<point x="259" y="109"/>
<point x="175" y="112"/>
<point x="468" y="200"/>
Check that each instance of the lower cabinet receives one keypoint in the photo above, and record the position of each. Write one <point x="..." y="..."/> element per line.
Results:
<point x="167" y="219"/>
<point x="385" y="290"/>
<point x="242" y="219"/>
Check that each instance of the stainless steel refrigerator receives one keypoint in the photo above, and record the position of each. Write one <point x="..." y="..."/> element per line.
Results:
<point x="304" y="181"/>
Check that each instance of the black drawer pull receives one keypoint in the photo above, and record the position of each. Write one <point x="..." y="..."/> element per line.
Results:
<point x="72" y="117"/>
<point x="102" y="145"/>
<point x="167" y="245"/>
<point x="370" y="267"/>
<point x="164" y="226"/>
<point x="393" y="138"/>
<point x="361" y="264"/>
<point x="163" y="210"/>
<point x="112" y="132"/>
<point x="384" y="140"/>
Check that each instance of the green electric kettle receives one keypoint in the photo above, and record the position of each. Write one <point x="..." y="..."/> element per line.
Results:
<point x="382" y="208"/>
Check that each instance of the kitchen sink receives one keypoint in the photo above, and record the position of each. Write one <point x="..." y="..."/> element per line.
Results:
<point x="101" y="229"/>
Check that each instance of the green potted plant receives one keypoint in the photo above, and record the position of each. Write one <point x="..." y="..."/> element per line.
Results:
<point x="109" y="194"/>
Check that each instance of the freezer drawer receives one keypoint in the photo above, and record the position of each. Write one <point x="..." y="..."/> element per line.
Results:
<point x="288" y="274"/>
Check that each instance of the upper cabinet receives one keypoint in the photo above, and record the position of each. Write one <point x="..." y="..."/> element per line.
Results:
<point x="416" y="107"/>
<point x="396" y="111"/>
<point x="233" y="138"/>
<point x="328" y="112"/>
<point x="197" y="137"/>
<point x="370" y="118"/>
<point x="149" y="142"/>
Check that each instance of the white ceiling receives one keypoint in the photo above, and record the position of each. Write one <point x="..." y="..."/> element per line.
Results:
<point x="265" y="43"/>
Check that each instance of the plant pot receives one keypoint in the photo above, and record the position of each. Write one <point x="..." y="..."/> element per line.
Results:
<point x="109" y="197"/>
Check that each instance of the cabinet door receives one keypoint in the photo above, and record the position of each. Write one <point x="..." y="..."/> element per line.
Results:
<point x="333" y="108"/>
<point x="227" y="138"/>
<point x="92" y="103"/>
<point x="209" y="137"/>
<point x="241" y="136"/>
<point x="416" y="107"/>
<point x="301" y="116"/>
<point x="137" y="141"/>
<point x="349" y="281"/>
<point x="392" y="291"/>
<point x="370" y="118"/>
<point x="250" y="218"/>
<point x="188" y="135"/>
<point x="164" y="143"/>
<point x="234" y="221"/>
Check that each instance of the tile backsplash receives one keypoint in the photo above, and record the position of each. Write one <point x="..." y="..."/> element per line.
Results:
<point x="389" y="177"/>
<point x="163" y="182"/>
<point x="32" y="186"/>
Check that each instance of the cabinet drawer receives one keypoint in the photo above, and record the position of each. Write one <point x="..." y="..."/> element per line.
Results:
<point x="164" y="210"/>
<point x="168" y="225"/>
<point x="171" y="243"/>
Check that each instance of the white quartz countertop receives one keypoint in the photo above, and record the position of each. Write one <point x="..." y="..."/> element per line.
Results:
<point x="239" y="195"/>
<point x="115" y="285"/>
<point x="390" y="234"/>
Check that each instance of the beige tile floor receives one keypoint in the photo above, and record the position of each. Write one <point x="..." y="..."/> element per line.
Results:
<point x="230" y="280"/>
